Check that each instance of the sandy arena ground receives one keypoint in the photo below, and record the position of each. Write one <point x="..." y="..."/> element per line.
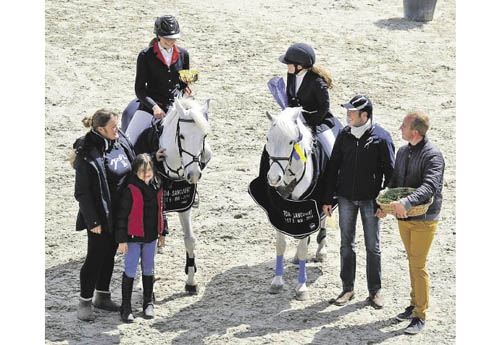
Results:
<point x="91" y="49"/>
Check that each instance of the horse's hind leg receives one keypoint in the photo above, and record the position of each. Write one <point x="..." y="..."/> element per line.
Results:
<point x="301" y="293"/>
<point x="321" y="240"/>
<point x="190" y="242"/>
<point x="277" y="283"/>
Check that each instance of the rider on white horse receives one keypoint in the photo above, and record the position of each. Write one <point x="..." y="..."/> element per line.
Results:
<point x="157" y="80"/>
<point x="307" y="87"/>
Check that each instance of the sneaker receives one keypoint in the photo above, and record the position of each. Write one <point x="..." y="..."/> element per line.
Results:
<point x="376" y="300"/>
<point x="406" y="315"/>
<point x="343" y="298"/>
<point x="415" y="326"/>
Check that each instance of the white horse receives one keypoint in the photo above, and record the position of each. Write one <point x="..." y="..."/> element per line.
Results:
<point x="185" y="128"/>
<point x="288" y="138"/>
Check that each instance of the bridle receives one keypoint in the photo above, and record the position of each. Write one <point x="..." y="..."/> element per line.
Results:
<point x="194" y="158"/>
<point x="293" y="155"/>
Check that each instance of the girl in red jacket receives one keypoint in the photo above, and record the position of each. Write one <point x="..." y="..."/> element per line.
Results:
<point x="139" y="224"/>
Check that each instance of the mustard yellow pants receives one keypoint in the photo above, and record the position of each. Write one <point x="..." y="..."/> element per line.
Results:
<point x="417" y="238"/>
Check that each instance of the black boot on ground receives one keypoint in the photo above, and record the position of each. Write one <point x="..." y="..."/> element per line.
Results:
<point x="126" y="308"/>
<point x="147" y="304"/>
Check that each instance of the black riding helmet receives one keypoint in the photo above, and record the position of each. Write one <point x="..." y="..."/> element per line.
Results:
<point x="167" y="27"/>
<point x="299" y="54"/>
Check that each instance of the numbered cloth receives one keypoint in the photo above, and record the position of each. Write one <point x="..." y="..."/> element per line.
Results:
<point x="178" y="195"/>
<point x="296" y="218"/>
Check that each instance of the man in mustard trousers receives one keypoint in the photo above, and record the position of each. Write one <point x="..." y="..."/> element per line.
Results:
<point x="419" y="165"/>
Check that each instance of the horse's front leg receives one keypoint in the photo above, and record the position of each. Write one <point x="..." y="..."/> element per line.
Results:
<point x="277" y="283"/>
<point x="301" y="288"/>
<point x="189" y="242"/>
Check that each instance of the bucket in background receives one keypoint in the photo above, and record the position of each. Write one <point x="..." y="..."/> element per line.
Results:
<point x="419" y="10"/>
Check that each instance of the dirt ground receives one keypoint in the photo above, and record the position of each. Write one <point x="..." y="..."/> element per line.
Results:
<point x="91" y="47"/>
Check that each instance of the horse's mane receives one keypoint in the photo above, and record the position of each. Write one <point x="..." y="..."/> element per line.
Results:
<point x="287" y="125"/>
<point x="189" y="103"/>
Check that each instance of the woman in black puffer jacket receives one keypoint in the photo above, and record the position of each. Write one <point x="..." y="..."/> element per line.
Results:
<point x="102" y="162"/>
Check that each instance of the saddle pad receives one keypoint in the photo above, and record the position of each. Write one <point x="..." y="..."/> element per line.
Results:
<point x="178" y="195"/>
<point x="296" y="218"/>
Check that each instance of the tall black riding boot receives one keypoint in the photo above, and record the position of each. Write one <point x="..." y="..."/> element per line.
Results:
<point x="126" y="308"/>
<point x="147" y="304"/>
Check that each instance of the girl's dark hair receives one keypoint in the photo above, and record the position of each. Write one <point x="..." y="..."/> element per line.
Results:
<point x="142" y="160"/>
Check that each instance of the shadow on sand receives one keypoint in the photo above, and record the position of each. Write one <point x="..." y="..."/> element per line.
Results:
<point x="237" y="302"/>
<point x="398" y="24"/>
<point x="62" y="288"/>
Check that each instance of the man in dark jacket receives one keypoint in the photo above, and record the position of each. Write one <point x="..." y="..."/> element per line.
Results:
<point x="360" y="165"/>
<point x="419" y="165"/>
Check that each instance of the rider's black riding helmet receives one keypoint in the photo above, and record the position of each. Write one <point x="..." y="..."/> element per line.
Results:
<point x="167" y="27"/>
<point x="299" y="54"/>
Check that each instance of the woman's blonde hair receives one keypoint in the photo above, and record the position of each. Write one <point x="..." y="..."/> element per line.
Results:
<point x="323" y="73"/>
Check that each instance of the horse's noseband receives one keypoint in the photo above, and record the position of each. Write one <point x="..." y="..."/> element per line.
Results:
<point x="194" y="158"/>
<point x="293" y="154"/>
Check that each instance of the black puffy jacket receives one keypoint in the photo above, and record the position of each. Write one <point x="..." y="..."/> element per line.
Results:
<point x="92" y="190"/>
<point x="359" y="168"/>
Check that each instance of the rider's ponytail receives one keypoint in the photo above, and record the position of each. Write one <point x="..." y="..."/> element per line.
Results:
<point x="327" y="77"/>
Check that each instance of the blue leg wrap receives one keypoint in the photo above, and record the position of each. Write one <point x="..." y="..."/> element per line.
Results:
<point x="280" y="266"/>
<point x="302" y="272"/>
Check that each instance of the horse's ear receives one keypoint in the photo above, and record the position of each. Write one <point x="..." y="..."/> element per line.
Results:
<point x="205" y="108"/>
<point x="178" y="107"/>
<point x="270" y="117"/>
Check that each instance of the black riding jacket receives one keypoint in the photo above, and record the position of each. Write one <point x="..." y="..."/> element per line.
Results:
<point x="155" y="81"/>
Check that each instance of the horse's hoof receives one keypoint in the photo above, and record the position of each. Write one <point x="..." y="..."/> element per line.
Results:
<point x="302" y="296"/>
<point x="191" y="289"/>
<point x="275" y="289"/>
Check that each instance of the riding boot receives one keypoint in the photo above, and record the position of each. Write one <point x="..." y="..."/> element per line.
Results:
<point x="126" y="307"/>
<point x="84" y="311"/>
<point x="102" y="300"/>
<point x="148" y="296"/>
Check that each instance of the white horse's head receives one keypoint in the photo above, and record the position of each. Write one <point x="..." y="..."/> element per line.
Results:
<point x="186" y="127"/>
<point x="287" y="140"/>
